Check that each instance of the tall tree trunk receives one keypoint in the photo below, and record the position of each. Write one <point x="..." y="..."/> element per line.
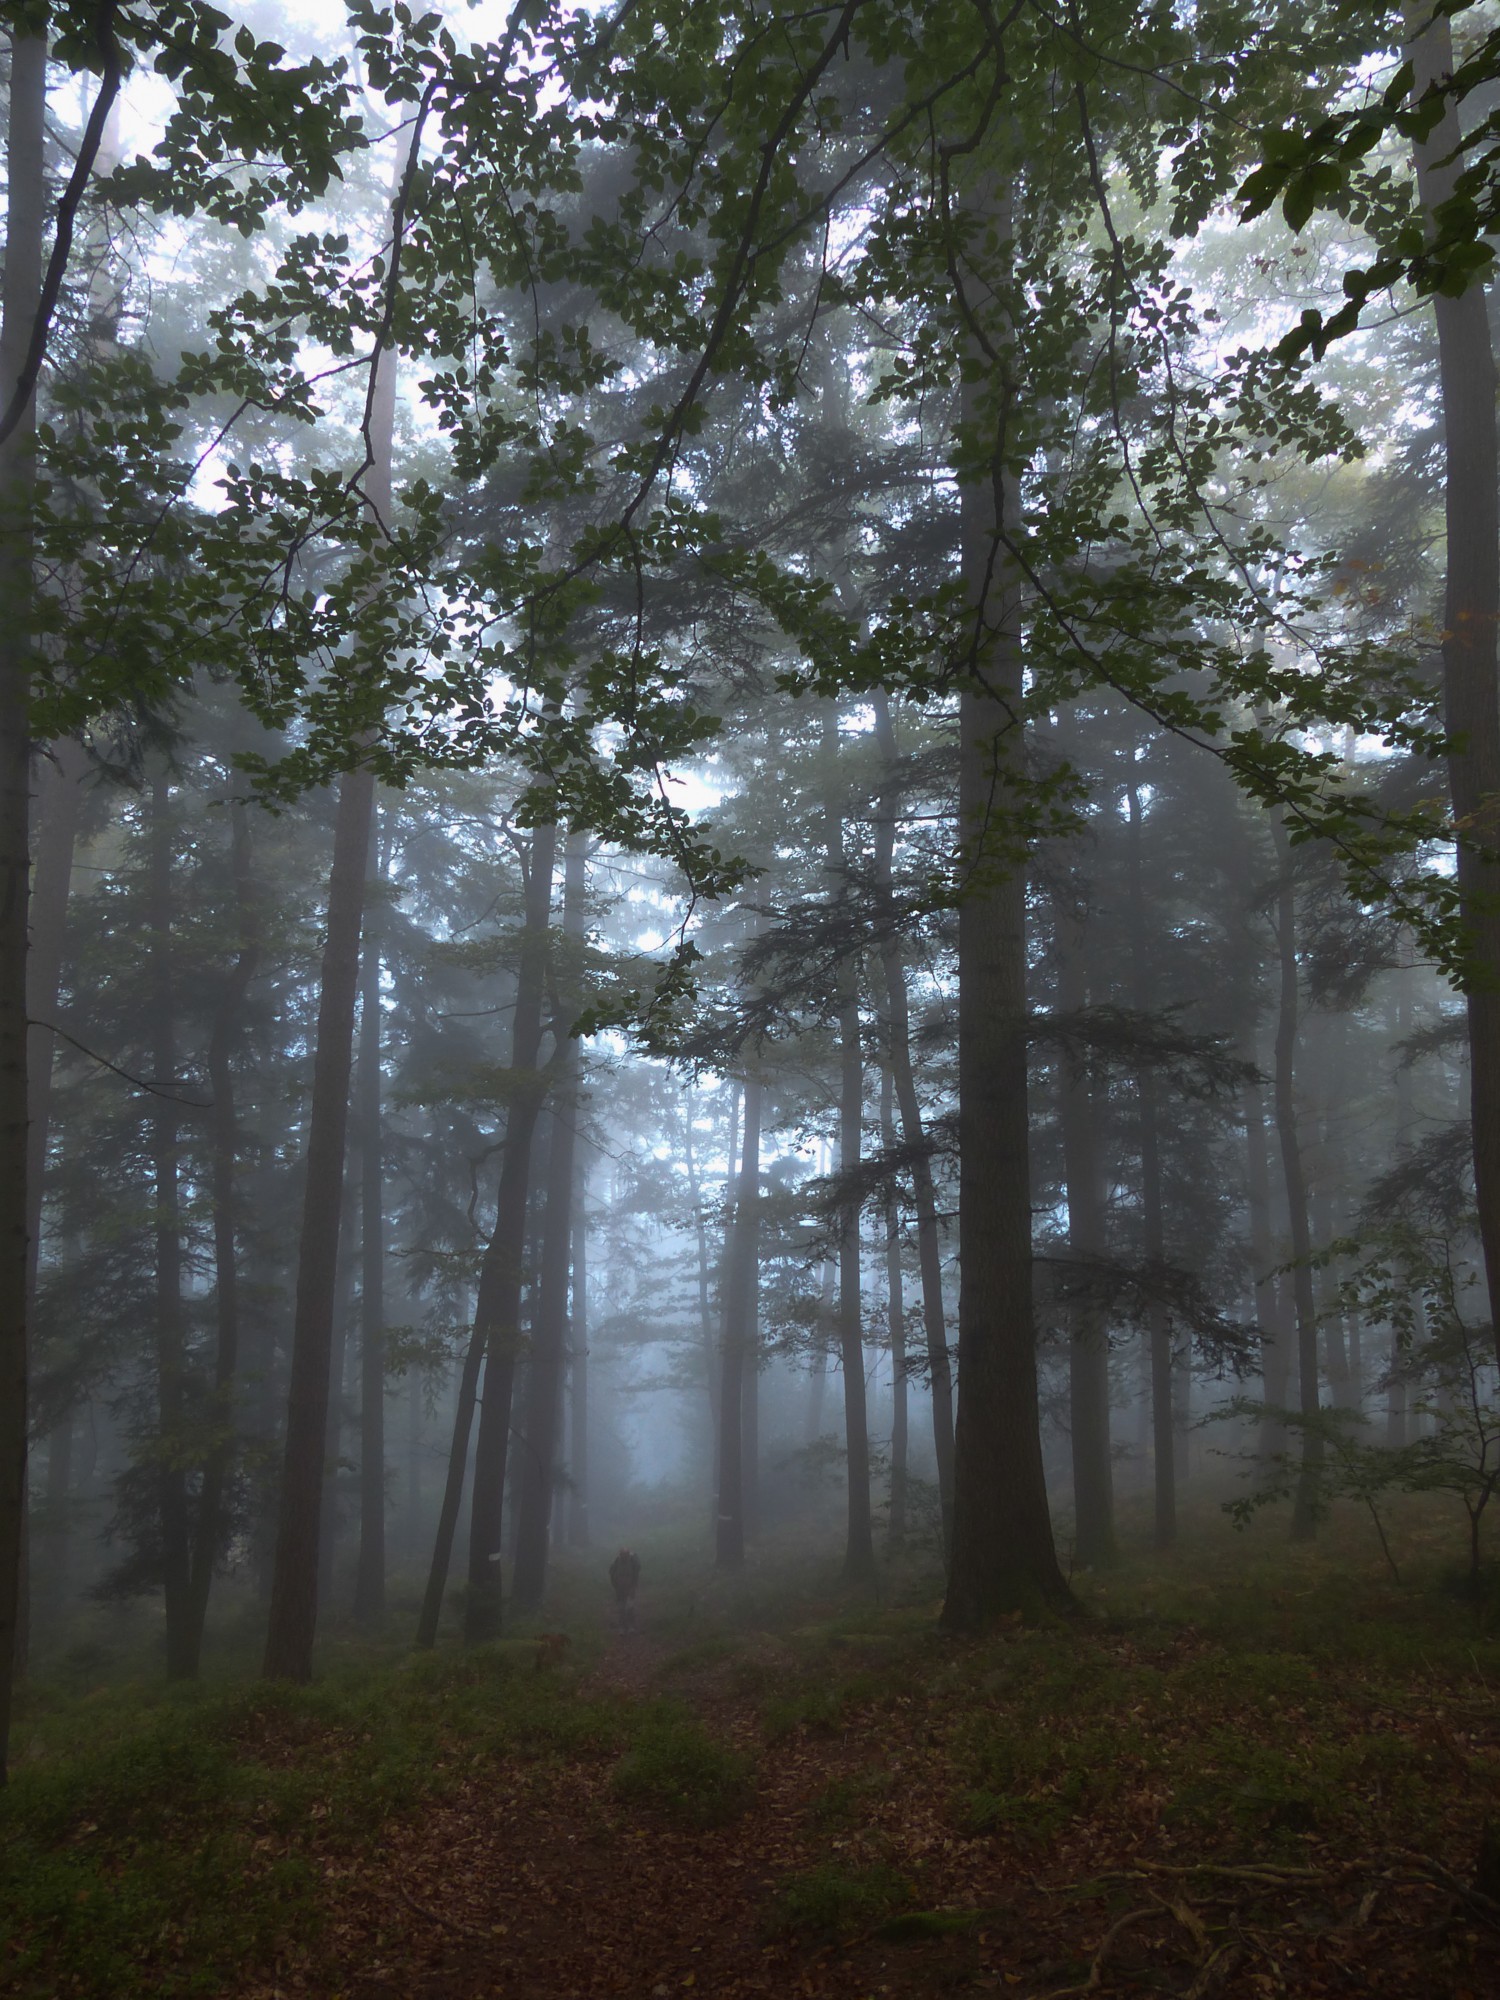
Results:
<point x="369" y="1576"/>
<point x="1088" y="1342"/>
<point x="497" y="1308"/>
<point x="895" y="1316"/>
<point x="26" y="206"/>
<point x="1270" y="1302"/>
<point x="1003" y="1554"/>
<point x="929" y="1241"/>
<point x="1153" y="1234"/>
<point x="578" y="1338"/>
<point x="171" y="1326"/>
<point x="549" y="1336"/>
<point x="1471" y="690"/>
<point x="209" y="1530"/>
<point x="59" y="801"/>
<point x="859" y="1548"/>
<point x="706" y="1334"/>
<point x="1306" y="1506"/>
<point x="294" y="1583"/>
<point x="330" y="1519"/>
<point x="59" y="807"/>
<point x="820" y="1360"/>
<point x="741" y="1279"/>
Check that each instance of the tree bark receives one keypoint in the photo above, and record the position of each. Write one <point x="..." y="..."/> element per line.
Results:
<point x="497" y="1308"/>
<point x="549" y="1336"/>
<point x="859" y="1547"/>
<point x="578" y="1337"/>
<point x="1088" y="1341"/>
<point x="895" y="1320"/>
<point x="1471" y="691"/>
<point x="929" y="1241"/>
<point x="26" y="203"/>
<point x="294" y="1583"/>
<point x="209" y="1529"/>
<point x="369" y="1575"/>
<point x="1153" y="1233"/>
<point x="171" y="1328"/>
<point x="1306" y="1506"/>
<point x="1004" y="1559"/>
<point x="740" y="1285"/>
<point x="1270" y="1303"/>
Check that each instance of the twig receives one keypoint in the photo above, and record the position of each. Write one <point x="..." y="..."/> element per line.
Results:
<point x="441" y="1917"/>
<point x="1110" y="1939"/>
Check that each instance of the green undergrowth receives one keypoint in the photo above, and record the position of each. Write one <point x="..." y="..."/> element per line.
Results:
<point x="832" y="1901"/>
<point x="130" y="1810"/>
<point x="677" y="1766"/>
<point x="1238" y="1698"/>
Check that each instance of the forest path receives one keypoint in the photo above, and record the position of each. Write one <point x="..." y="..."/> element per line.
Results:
<point x="864" y="1863"/>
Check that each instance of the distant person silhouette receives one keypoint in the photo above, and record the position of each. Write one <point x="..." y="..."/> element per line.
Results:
<point x="625" y="1579"/>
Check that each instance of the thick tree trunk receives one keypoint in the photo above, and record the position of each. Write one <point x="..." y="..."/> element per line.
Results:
<point x="369" y="1575"/>
<point x="929" y="1240"/>
<point x="1003" y="1554"/>
<point x="1088" y="1342"/>
<point x="1153" y="1232"/>
<point x="578" y="1340"/>
<point x="823" y="1336"/>
<point x="294" y="1583"/>
<point x="741" y="1277"/>
<point x="210" y="1526"/>
<point x="1471" y="692"/>
<point x="26" y="203"/>
<point x="1306" y="1507"/>
<point x="497" y="1309"/>
<point x="549" y="1334"/>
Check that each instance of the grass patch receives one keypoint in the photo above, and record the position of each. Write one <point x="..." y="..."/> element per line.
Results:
<point x="679" y="1768"/>
<point x="831" y="1901"/>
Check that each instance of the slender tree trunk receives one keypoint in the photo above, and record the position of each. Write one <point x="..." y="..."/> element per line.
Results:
<point x="1305" y="1510"/>
<point x="578" y="1334"/>
<point x="740" y="1285"/>
<point x="1471" y="688"/>
<point x="497" y="1309"/>
<point x="330" y="1519"/>
<point x="895" y="1309"/>
<point x="820" y="1362"/>
<point x="1153" y="1234"/>
<point x="60" y="805"/>
<point x="1270" y="1304"/>
<point x="706" y="1337"/>
<point x="1088" y="1343"/>
<point x="294" y="1584"/>
<point x="171" y="1328"/>
<point x="1003" y="1553"/>
<point x="929" y="1241"/>
<point x="859" y="1550"/>
<point x="549" y="1340"/>
<point x="26" y="206"/>
<point x="369" y="1575"/>
<point x="209" y="1529"/>
<point x="57" y="1538"/>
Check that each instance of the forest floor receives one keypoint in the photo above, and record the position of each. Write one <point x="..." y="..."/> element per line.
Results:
<point x="1244" y="1769"/>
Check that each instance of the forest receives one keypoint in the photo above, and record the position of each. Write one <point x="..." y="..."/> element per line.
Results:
<point x="749" y="998"/>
